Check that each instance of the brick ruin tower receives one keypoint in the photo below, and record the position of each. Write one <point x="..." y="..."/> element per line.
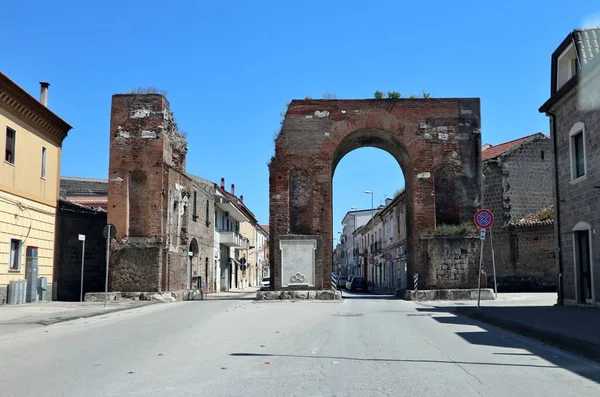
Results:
<point x="145" y="149"/>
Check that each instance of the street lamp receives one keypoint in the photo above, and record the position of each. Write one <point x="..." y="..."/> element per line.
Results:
<point x="371" y="193"/>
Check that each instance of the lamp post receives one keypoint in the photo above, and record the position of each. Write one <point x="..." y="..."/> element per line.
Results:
<point x="371" y="193"/>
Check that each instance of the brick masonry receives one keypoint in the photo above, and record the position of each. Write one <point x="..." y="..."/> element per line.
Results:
<point x="516" y="184"/>
<point x="426" y="136"/>
<point x="580" y="201"/>
<point x="157" y="208"/>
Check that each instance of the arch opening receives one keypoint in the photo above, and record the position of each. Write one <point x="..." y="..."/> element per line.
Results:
<point x="370" y="217"/>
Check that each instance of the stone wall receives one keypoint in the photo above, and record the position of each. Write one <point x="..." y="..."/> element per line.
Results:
<point x="516" y="184"/>
<point x="72" y="220"/>
<point x="451" y="262"/>
<point x="134" y="266"/>
<point x="579" y="202"/>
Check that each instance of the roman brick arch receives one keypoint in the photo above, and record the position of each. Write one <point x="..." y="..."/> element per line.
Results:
<point x="423" y="135"/>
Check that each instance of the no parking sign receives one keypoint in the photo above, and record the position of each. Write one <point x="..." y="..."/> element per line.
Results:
<point x="484" y="219"/>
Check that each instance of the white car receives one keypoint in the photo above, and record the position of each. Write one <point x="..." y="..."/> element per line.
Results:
<point x="265" y="284"/>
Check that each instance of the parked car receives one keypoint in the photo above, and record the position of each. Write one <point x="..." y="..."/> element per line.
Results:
<point x="348" y="281"/>
<point x="341" y="282"/>
<point x="357" y="283"/>
<point x="265" y="284"/>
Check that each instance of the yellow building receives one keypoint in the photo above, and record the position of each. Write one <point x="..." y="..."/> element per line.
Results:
<point x="248" y="231"/>
<point x="31" y="139"/>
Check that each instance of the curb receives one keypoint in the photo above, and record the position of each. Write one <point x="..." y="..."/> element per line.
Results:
<point x="582" y="348"/>
<point x="92" y="314"/>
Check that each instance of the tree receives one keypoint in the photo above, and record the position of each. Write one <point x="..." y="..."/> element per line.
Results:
<point x="426" y="95"/>
<point x="329" y="95"/>
<point x="378" y="94"/>
<point x="394" y="95"/>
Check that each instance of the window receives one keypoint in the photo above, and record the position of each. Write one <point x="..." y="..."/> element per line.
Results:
<point x="195" y="213"/>
<point x="15" y="254"/>
<point x="567" y="66"/>
<point x="228" y="228"/>
<point x="542" y="154"/>
<point x="44" y="162"/>
<point x="207" y="212"/>
<point x="223" y="221"/>
<point x="9" y="153"/>
<point x="577" y="143"/>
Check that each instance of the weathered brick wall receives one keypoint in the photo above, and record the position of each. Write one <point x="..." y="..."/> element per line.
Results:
<point x="196" y="233"/>
<point x="424" y="135"/>
<point x="151" y="198"/>
<point x="452" y="262"/>
<point x="72" y="221"/>
<point x="580" y="201"/>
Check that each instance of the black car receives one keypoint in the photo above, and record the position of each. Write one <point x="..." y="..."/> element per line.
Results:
<point x="357" y="283"/>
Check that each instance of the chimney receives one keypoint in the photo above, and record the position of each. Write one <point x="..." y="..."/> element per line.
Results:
<point x="44" y="93"/>
<point x="233" y="189"/>
<point x="222" y="183"/>
<point x="242" y="198"/>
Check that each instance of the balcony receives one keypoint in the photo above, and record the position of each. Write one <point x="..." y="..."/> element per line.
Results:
<point x="233" y="239"/>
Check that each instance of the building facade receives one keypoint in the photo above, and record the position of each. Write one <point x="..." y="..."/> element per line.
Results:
<point x="29" y="185"/>
<point x="517" y="188"/>
<point x="234" y="225"/>
<point x="261" y="253"/>
<point x="573" y="109"/>
<point x="392" y="260"/>
<point x="348" y="260"/>
<point x="72" y="221"/>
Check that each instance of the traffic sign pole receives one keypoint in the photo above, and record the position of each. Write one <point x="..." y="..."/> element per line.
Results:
<point x="107" y="255"/>
<point x="484" y="219"/>
<point x="494" y="264"/>
<point x="480" y="268"/>
<point x="82" y="239"/>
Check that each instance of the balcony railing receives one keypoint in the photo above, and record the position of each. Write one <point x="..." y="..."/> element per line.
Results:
<point x="233" y="239"/>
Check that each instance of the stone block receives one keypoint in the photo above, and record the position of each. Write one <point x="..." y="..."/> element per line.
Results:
<point x="325" y="295"/>
<point x="302" y="295"/>
<point x="288" y="295"/>
<point x="272" y="295"/>
<point x="312" y="294"/>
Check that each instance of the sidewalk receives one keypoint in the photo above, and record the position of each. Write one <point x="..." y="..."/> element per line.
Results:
<point x="45" y="313"/>
<point x="576" y="329"/>
<point x="234" y="293"/>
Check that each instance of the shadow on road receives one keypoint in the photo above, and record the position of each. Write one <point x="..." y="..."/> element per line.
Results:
<point x="365" y="295"/>
<point x="398" y="360"/>
<point x="489" y="337"/>
<point x="230" y="298"/>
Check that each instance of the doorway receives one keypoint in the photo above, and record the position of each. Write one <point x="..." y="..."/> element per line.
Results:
<point x="583" y="266"/>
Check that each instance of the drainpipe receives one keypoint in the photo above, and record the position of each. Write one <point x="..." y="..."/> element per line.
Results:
<point x="557" y="210"/>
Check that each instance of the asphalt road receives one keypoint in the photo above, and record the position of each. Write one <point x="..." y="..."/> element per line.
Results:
<point x="360" y="347"/>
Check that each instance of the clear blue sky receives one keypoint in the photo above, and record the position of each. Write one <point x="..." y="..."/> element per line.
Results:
<point x="229" y="67"/>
